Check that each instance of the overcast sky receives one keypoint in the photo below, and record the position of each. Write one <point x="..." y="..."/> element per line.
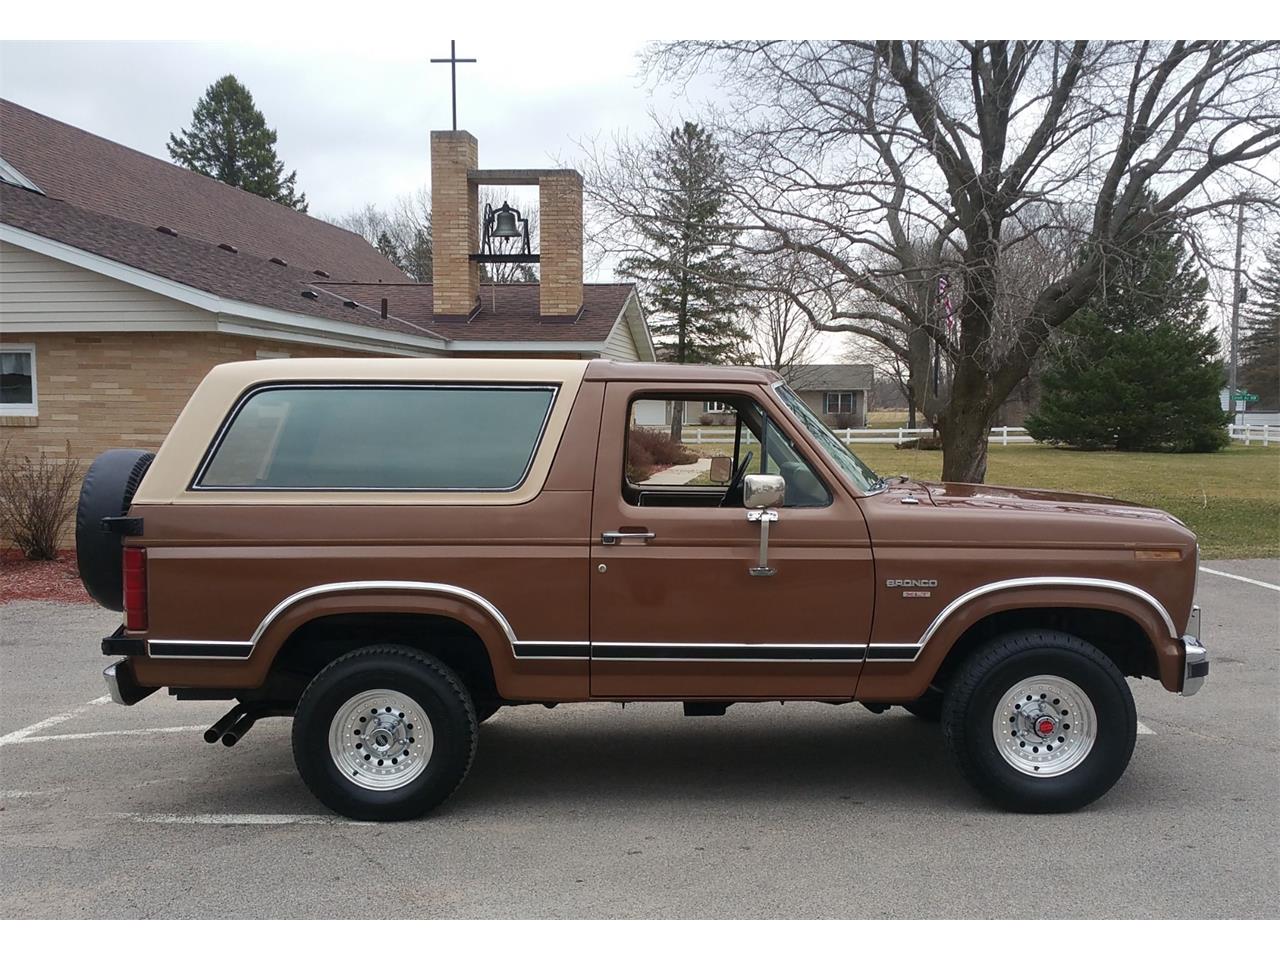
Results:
<point x="353" y="121"/>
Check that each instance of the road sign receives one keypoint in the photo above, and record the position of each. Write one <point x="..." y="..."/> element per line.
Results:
<point x="1243" y="396"/>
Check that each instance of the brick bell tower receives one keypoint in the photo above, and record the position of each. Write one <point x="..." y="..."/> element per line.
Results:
<point x="455" y="229"/>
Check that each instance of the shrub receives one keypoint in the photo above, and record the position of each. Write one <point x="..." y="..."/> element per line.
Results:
<point x="647" y="450"/>
<point x="37" y="498"/>
<point x="844" y="421"/>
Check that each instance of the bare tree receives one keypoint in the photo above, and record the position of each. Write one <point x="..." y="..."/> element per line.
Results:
<point x="406" y="225"/>
<point x="919" y="171"/>
<point x="782" y="337"/>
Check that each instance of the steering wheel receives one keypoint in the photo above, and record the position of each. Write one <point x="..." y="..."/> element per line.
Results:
<point x="733" y="495"/>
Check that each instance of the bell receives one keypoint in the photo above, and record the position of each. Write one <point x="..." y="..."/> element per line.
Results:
<point x="504" y="223"/>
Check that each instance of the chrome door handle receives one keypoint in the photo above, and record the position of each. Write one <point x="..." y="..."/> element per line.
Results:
<point x="611" y="538"/>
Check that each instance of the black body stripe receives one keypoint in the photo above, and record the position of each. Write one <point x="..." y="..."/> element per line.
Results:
<point x="193" y="648"/>
<point x="560" y="651"/>
<point x="892" y="651"/>
<point x="679" y="651"/>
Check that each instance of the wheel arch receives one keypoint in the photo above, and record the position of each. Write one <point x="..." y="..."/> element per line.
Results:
<point x="452" y="623"/>
<point x="1126" y="622"/>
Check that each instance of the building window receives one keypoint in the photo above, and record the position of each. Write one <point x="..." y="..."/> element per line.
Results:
<point x="18" y="380"/>
<point x="716" y="406"/>
<point x="838" y="402"/>
<point x="381" y="437"/>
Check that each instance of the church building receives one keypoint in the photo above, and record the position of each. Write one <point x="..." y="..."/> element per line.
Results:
<point x="124" y="279"/>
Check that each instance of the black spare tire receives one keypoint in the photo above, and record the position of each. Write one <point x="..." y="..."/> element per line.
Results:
<point x="107" y="491"/>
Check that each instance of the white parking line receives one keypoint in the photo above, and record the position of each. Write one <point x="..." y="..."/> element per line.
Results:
<point x="108" y="733"/>
<point x="1236" y="576"/>
<point x="1143" y="729"/>
<point x="240" y="819"/>
<point x="19" y="735"/>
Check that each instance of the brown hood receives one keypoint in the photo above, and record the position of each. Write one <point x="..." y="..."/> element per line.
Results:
<point x="1036" y="501"/>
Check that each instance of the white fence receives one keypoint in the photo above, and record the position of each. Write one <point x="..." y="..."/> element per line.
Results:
<point x="1248" y="434"/>
<point x="999" y="435"/>
<point x="1251" y="433"/>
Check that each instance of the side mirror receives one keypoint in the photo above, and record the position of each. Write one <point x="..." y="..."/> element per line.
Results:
<point x="762" y="491"/>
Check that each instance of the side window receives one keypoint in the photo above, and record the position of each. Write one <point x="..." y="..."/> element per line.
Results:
<point x="375" y="437"/>
<point x="18" y="381"/>
<point x="699" y="469"/>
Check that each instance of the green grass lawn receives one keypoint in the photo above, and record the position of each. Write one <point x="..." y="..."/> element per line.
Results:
<point x="883" y="419"/>
<point x="1231" y="499"/>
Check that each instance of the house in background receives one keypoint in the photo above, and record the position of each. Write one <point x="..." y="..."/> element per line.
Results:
<point x="837" y="392"/>
<point x="124" y="279"/>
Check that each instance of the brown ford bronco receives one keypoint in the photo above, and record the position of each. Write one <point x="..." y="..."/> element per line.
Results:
<point x="392" y="550"/>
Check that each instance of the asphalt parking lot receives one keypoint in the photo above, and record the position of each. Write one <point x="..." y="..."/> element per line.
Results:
<point x="802" y="810"/>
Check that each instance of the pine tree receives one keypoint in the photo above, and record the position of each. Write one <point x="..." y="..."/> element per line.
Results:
<point x="691" y="278"/>
<point x="230" y="141"/>
<point x="417" y="258"/>
<point x="1140" y="372"/>
<point x="1259" y="347"/>
<point x="387" y="247"/>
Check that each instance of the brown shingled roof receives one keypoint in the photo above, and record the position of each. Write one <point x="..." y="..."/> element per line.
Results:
<point x="71" y="164"/>
<point x="507" y="311"/>
<point x="192" y="262"/>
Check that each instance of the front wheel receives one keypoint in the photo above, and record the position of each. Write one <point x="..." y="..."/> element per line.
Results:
<point x="384" y="733"/>
<point x="1040" y="722"/>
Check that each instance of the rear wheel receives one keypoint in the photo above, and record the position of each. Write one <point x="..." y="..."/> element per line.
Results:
<point x="1040" y="722"/>
<point x="384" y="733"/>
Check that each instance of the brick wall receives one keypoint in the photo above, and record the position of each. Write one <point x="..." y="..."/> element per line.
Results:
<point x="455" y="219"/>
<point x="122" y="389"/>
<point x="560" y="243"/>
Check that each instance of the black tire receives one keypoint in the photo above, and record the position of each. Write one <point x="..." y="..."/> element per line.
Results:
<point x="977" y="688"/>
<point x="107" y="491"/>
<point x="927" y="708"/>
<point x="426" y="680"/>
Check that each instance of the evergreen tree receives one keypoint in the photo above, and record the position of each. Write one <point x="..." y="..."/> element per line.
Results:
<point x="1259" y="346"/>
<point x="387" y="247"/>
<point x="230" y="141"/>
<point x="417" y="258"/>
<point x="1141" y="372"/>
<point x="689" y="273"/>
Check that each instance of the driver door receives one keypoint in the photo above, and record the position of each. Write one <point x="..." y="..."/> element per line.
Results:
<point x="675" y="608"/>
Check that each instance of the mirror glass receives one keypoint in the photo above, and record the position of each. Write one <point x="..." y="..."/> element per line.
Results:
<point x="761" y="491"/>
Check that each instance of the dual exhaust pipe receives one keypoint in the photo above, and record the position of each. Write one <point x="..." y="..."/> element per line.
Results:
<point x="237" y="721"/>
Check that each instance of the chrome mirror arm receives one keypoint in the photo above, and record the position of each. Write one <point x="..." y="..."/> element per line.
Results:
<point x="764" y="518"/>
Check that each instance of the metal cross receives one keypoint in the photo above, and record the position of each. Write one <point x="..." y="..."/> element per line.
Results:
<point x="453" y="60"/>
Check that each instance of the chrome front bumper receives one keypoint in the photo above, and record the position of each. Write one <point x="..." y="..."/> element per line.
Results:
<point x="1196" y="666"/>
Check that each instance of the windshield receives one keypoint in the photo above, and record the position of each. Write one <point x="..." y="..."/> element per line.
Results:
<point x="859" y="474"/>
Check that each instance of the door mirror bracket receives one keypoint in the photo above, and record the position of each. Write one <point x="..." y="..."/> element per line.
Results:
<point x="761" y="493"/>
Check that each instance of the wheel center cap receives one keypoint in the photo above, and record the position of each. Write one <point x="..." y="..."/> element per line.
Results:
<point x="383" y="737"/>
<point x="1046" y="726"/>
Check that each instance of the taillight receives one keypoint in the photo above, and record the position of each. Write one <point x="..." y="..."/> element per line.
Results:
<point x="135" y="588"/>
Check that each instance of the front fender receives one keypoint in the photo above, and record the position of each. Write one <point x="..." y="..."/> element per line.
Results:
<point x="909" y="676"/>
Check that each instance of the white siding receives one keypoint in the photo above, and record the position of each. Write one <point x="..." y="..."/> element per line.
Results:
<point x="620" y="345"/>
<point x="36" y="288"/>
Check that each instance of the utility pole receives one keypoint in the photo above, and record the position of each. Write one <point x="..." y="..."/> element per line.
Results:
<point x="1235" y="313"/>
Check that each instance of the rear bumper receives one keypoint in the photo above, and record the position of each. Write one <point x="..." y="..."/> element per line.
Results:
<point x="123" y="685"/>
<point x="1196" y="661"/>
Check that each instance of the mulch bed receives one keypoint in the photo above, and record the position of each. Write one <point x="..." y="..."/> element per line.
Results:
<point x="52" y="580"/>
